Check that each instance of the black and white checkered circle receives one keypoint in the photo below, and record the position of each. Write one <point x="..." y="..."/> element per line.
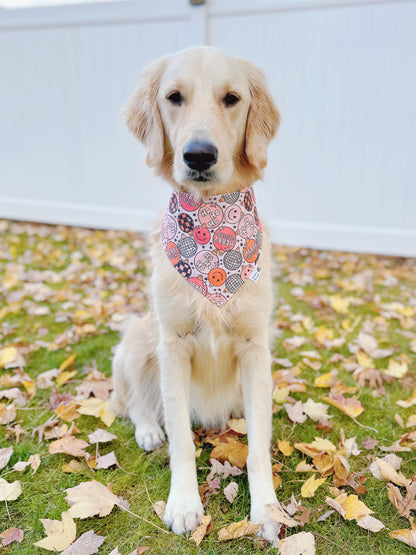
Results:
<point x="187" y="247"/>
<point x="233" y="283"/>
<point x="232" y="260"/>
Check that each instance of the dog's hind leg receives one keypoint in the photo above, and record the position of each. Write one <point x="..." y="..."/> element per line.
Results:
<point x="137" y="383"/>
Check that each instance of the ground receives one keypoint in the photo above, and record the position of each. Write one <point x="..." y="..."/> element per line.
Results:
<point x="343" y="334"/>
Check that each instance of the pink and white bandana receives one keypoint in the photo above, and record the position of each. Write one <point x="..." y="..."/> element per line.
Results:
<point x="215" y="242"/>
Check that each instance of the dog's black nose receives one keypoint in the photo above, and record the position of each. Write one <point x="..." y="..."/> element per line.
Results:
<point x="199" y="155"/>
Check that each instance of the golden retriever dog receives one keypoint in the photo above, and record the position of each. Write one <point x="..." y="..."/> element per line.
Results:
<point x="206" y="119"/>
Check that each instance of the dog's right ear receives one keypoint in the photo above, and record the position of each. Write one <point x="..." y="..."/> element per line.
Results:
<point x="142" y="113"/>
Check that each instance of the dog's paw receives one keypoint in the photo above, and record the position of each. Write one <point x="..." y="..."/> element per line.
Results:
<point x="149" y="436"/>
<point x="269" y="529"/>
<point x="183" y="513"/>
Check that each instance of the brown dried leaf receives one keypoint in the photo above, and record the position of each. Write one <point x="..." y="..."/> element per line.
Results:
<point x="69" y="445"/>
<point x="238" y="530"/>
<point x="11" y="535"/>
<point x="232" y="450"/>
<point x="202" y="530"/>
<point x="403" y="504"/>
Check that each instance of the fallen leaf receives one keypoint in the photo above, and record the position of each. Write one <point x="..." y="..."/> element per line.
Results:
<point x="295" y="412"/>
<point x="303" y="467"/>
<point x="406" y="536"/>
<point x="44" y="379"/>
<point x="277" y="512"/>
<point x="68" y="412"/>
<point x="223" y="470"/>
<point x="302" y="543"/>
<point x="5" y="455"/>
<point x="9" y="491"/>
<point x="351" y="407"/>
<point x="8" y="355"/>
<point x="316" y="411"/>
<point x="232" y="450"/>
<point x="238" y="530"/>
<point x="309" y="488"/>
<point x="73" y="466"/>
<point x="200" y="532"/>
<point x="59" y="533"/>
<point x="89" y="499"/>
<point x="101" y="436"/>
<point x="368" y="522"/>
<point x="11" y="535"/>
<point x="238" y="425"/>
<point x="403" y="504"/>
<point x="285" y="447"/>
<point x="231" y="491"/>
<point x="7" y="413"/>
<point x="105" y="461"/>
<point x="97" y="407"/>
<point x="87" y="544"/>
<point x="67" y="362"/>
<point x="387" y="472"/>
<point x="159" y="508"/>
<point x="69" y="445"/>
<point x="408" y="403"/>
<point x="396" y="369"/>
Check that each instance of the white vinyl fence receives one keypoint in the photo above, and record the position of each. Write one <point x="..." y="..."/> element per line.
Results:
<point x="342" y="171"/>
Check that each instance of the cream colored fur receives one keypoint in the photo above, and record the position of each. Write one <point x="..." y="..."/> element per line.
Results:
<point x="187" y="359"/>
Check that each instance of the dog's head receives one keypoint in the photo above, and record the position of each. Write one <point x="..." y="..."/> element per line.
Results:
<point x="206" y="119"/>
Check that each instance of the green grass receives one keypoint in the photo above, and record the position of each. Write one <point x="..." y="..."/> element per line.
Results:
<point x="111" y="279"/>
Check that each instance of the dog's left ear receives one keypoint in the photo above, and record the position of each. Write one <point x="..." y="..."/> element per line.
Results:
<point x="262" y="120"/>
<point x="142" y="113"/>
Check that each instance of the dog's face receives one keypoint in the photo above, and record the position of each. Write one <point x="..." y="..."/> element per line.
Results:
<point x="206" y="119"/>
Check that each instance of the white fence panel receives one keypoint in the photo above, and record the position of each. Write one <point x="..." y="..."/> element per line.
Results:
<point x="66" y="74"/>
<point x="342" y="171"/>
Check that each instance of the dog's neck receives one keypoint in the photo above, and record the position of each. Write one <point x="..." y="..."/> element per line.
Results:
<point x="214" y="241"/>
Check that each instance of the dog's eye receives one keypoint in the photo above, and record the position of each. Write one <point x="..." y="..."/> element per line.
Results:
<point x="175" y="98"/>
<point x="230" y="99"/>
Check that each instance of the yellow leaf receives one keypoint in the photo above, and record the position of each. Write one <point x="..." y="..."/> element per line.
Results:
<point x="7" y="355"/>
<point x="324" y="380"/>
<point x="67" y="362"/>
<point x="201" y="531"/>
<point x="351" y="407"/>
<point x="73" y="466"/>
<point x="285" y="447"/>
<point x="406" y="536"/>
<point x="339" y="304"/>
<point x="68" y="412"/>
<point x="364" y="360"/>
<point x="324" y="334"/>
<point x="412" y="421"/>
<point x="238" y="530"/>
<point x="65" y="376"/>
<point x="310" y="486"/>
<point x="280" y="394"/>
<point x="354" y="508"/>
<point x="97" y="407"/>
<point x="60" y="533"/>
<point x="396" y="369"/>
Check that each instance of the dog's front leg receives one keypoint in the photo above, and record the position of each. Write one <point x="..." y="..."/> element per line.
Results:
<point x="257" y="392"/>
<point x="184" y="508"/>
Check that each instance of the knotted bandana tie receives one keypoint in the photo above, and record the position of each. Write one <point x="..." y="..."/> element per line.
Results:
<point x="215" y="242"/>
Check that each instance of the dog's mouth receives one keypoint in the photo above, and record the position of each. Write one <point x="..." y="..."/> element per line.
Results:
<point x="200" y="176"/>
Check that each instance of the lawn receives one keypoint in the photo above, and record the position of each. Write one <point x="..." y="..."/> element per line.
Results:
<point x="344" y="366"/>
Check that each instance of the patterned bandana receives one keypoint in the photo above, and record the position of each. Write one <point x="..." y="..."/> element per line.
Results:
<point x="215" y="242"/>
